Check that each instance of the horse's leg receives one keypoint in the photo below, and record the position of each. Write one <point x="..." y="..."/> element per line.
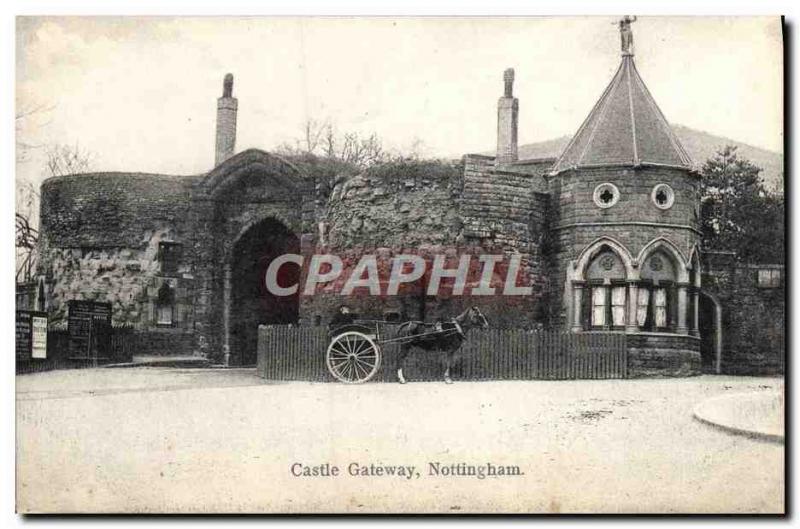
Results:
<point x="400" y="360"/>
<point x="448" y="364"/>
<point x="452" y="358"/>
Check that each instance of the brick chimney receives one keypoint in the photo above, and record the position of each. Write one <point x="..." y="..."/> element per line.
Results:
<point x="227" y="106"/>
<point x="507" y="115"/>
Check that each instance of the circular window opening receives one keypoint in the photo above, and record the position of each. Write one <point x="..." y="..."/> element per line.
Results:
<point x="663" y="196"/>
<point x="606" y="195"/>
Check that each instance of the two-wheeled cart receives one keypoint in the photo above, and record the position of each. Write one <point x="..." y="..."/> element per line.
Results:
<point x="354" y="353"/>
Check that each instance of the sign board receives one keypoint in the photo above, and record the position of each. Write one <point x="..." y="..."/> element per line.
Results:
<point x="31" y="335"/>
<point x="39" y="337"/>
<point x="89" y="328"/>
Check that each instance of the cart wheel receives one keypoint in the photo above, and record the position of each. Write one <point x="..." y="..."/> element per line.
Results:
<point x="353" y="357"/>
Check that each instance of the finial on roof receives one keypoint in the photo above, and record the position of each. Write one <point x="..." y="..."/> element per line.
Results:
<point x="227" y="86"/>
<point x="626" y="34"/>
<point x="508" y="79"/>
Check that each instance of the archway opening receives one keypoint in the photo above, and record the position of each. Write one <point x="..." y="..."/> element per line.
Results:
<point x="710" y="327"/>
<point x="252" y="304"/>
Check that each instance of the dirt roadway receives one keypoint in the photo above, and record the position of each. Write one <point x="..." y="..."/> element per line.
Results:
<point x="149" y="440"/>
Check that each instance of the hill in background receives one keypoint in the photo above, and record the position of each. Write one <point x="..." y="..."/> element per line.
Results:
<point x="700" y="145"/>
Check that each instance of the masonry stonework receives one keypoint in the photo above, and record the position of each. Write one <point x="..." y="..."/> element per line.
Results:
<point x="607" y="236"/>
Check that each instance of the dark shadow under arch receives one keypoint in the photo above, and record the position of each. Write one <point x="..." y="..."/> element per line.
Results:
<point x="251" y="302"/>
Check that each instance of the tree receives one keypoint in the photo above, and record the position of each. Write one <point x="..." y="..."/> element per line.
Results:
<point x="737" y="212"/>
<point x="322" y="139"/>
<point x="61" y="160"/>
<point x="24" y="120"/>
<point x="65" y="160"/>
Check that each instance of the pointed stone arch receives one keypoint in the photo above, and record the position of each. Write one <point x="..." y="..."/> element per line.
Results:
<point x="246" y="303"/>
<point x="670" y="248"/>
<point x="694" y="256"/>
<point x="589" y="252"/>
<point x="279" y="171"/>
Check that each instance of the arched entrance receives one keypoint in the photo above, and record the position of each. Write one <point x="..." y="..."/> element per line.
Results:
<point x="710" y="323"/>
<point x="251" y="304"/>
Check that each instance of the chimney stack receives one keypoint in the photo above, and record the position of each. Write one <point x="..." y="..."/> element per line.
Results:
<point x="507" y="114"/>
<point x="227" y="106"/>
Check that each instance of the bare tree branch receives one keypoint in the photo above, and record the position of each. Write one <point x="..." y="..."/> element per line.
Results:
<point x="322" y="139"/>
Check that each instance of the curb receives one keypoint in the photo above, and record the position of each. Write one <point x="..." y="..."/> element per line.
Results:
<point x="700" y="413"/>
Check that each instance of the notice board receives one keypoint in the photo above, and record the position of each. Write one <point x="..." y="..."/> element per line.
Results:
<point x="31" y="335"/>
<point x="89" y="329"/>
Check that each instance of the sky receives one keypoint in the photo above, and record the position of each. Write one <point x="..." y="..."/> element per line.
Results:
<point x="140" y="93"/>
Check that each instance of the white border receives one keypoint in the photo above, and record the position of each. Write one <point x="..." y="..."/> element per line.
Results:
<point x="12" y="8"/>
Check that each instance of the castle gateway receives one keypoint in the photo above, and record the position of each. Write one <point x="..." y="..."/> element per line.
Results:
<point x="607" y="235"/>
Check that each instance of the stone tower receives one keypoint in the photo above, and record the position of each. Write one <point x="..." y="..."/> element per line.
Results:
<point x="626" y="201"/>
<point x="227" y="106"/>
<point x="507" y="117"/>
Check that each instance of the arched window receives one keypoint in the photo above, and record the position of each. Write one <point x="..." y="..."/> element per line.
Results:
<point x="605" y="301"/>
<point x="165" y="305"/>
<point x="656" y="304"/>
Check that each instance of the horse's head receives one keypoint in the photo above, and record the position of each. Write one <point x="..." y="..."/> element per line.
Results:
<point x="476" y="318"/>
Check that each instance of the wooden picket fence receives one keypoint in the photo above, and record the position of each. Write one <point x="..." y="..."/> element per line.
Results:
<point x="298" y="353"/>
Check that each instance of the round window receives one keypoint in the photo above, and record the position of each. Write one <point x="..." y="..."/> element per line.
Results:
<point x="606" y="195"/>
<point x="663" y="196"/>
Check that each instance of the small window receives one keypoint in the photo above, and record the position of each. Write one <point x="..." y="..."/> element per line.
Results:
<point x="165" y="305"/>
<point x="606" y="195"/>
<point x="663" y="196"/>
<point x="164" y="316"/>
<point x="169" y="255"/>
<point x="769" y="278"/>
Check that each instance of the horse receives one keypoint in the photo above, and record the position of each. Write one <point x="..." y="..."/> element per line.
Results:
<point x="445" y="336"/>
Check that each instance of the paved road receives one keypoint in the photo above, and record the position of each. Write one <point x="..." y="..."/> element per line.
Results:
<point x="149" y="439"/>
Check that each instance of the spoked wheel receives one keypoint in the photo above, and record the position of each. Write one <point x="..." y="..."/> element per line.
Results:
<point x="353" y="357"/>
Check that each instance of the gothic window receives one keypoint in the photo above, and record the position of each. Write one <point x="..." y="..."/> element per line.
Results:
<point x="605" y="302"/>
<point x="165" y="305"/>
<point x="662" y="196"/>
<point x="605" y="195"/>
<point x="169" y="255"/>
<point x="608" y="306"/>
<point x="657" y="294"/>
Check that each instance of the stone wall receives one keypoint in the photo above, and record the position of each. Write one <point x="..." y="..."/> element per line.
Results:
<point x="504" y="210"/>
<point x="166" y="342"/>
<point x="111" y="209"/>
<point x="411" y="205"/>
<point x="100" y="241"/>
<point x="429" y="208"/>
<point x="661" y="354"/>
<point x="753" y="317"/>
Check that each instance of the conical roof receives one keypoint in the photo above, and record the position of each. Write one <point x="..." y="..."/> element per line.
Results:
<point x="625" y="127"/>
